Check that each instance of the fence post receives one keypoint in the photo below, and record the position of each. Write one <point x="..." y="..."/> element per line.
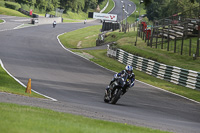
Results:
<point x="175" y="45"/>
<point x="197" y="50"/>
<point x="151" y="37"/>
<point x="182" y="46"/>
<point x="185" y="32"/>
<point x="190" y="47"/>
<point x="168" y="40"/>
<point x="143" y="35"/>
<point x="136" y="37"/>
<point x="157" y="38"/>
<point x="162" y="35"/>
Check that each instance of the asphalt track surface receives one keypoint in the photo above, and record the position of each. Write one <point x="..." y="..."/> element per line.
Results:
<point x="78" y="85"/>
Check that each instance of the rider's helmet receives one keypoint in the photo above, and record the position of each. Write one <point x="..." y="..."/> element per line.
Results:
<point x="129" y="69"/>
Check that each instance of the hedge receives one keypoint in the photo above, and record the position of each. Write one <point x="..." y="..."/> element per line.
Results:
<point x="12" y="5"/>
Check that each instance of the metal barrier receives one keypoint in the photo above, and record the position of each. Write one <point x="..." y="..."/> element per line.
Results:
<point x="184" y="77"/>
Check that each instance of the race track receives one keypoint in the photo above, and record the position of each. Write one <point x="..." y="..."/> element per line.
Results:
<point x="35" y="53"/>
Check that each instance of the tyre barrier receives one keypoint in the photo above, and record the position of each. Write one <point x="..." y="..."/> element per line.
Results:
<point x="176" y="75"/>
<point x="28" y="13"/>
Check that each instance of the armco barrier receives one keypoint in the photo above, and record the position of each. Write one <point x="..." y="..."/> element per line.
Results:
<point x="187" y="78"/>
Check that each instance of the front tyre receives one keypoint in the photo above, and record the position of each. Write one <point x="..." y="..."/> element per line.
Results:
<point x="116" y="97"/>
<point x="105" y="98"/>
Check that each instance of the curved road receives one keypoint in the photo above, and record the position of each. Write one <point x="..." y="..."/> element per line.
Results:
<point x="79" y="84"/>
<point x="118" y="9"/>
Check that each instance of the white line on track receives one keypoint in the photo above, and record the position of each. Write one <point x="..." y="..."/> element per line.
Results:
<point x="23" y="84"/>
<point x="18" y="26"/>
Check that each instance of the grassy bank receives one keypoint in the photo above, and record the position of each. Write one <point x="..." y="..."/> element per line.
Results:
<point x="81" y="38"/>
<point x="8" y="84"/>
<point x="32" y="119"/>
<point x="10" y="12"/>
<point x="110" y="6"/>
<point x="125" y="41"/>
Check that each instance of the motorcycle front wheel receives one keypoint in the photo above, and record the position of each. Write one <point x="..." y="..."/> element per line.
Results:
<point x="116" y="97"/>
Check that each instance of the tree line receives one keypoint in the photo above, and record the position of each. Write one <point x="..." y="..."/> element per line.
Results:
<point x="157" y="9"/>
<point x="51" y="5"/>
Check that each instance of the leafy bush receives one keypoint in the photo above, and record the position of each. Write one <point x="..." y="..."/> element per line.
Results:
<point x="25" y="7"/>
<point x="12" y="5"/>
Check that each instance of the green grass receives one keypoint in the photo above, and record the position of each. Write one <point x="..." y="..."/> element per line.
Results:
<point x="87" y="36"/>
<point x="103" y="4"/>
<point x="73" y="15"/>
<point x="8" y="84"/>
<point x="110" y="6"/>
<point x="10" y="12"/>
<point x="127" y="43"/>
<point x="71" y="20"/>
<point x="23" y="119"/>
<point x="1" y="21"/>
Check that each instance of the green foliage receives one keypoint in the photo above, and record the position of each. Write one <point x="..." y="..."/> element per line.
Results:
<point x="12" y="5"/>
<point x="102" y="4"/>
<point x="46" y="6"/>
<point x="157" y="9"/>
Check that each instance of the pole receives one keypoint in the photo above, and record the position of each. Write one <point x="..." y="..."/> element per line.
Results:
<point x="136" y="37"/>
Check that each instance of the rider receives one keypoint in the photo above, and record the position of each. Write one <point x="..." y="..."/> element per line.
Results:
<point x="54" y="24"/>
<point x="128" y="75"/>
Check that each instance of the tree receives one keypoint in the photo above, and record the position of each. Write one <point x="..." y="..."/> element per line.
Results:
<point x="153" y="11"/>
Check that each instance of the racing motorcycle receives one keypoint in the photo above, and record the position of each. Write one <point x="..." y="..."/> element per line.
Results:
<point x="116" y="90"/>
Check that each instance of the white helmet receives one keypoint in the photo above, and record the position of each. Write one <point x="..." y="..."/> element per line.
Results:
<point x="129" y="69"/>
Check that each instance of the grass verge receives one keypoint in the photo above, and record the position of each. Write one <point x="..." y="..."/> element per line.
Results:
<point x="32" y="119"/>
<point x="81" y="38"/>
<point x="8" y="84"/>
<point x="10" y="12"/>
<point x="110" y="6"/>
<point x="1" y="21"/>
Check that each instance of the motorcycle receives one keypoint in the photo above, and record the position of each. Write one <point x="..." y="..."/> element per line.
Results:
<point x="116" y="90"/>
<point x="54" y="24"/>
